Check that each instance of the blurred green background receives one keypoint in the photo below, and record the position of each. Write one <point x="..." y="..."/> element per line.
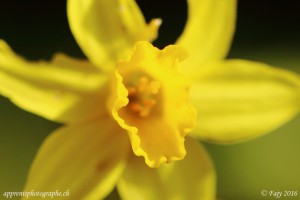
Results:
<point x="267" y="31"/>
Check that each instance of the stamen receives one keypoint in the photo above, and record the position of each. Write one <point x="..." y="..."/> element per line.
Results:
<point x="142" y="95"/>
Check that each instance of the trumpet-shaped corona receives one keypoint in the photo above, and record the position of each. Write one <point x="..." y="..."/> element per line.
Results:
<point x="153" y="103"/>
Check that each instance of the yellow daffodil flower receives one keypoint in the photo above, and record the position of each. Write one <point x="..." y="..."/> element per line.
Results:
<point x="131" y="95"/>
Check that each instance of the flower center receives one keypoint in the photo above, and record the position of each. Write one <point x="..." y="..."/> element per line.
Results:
<point x="142" y="95"/>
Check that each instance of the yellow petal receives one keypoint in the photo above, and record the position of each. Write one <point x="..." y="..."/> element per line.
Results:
<point x="107" y="30"/>
<point x="208" y="32"/>
<point x="149" y="100"/>
<point x="64" y="89"/>
<point x="85" y="159"/>
<point x="239" y="100"/>
<point x="192" y="178"/>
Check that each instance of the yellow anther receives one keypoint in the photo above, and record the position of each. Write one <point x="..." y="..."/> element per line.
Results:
<point x="142" y="95"/>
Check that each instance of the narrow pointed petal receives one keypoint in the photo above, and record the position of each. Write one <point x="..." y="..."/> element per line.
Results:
<point x="192" y="178"/>
<point x="208" y="32"/>
<point x="63" y="89"/>
<point x="107" y="30"/>
<point x="239" y="100"/>
<point x="84" y="159"/>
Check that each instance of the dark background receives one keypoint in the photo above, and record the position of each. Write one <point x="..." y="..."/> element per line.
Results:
<point x="39" y="28"/>
<point x="267" y="31"/>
